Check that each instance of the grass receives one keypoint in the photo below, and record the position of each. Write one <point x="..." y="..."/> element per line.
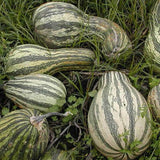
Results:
<point x="133" y="16"/>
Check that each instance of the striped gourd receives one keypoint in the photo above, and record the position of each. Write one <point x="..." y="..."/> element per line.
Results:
<point x="59" y="24"/>
<point x="114" y="119"/>
<point x="30" y="59"/>
<point x="20" y="137"/>
<point x="38" y="91"/>
<point x="56" y="154"/>
<point x="154" y="101"/>
<point x="152" y="43"/>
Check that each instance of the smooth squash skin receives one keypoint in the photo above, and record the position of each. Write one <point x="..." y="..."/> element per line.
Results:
<point x="22" y="139"/>
<point x="154" y="101"/>
<point x="115" y="118"/>
<point x="59" y="24"/>
<point x="152" y="43"/>
<point x="38" y="91"/>
<point x="34" y="59"/>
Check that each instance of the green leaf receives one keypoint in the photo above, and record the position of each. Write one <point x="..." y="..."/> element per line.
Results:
<point x="58" y="106"/>
<point x="72" y="99"/>
<point x="92" y="93"/>
<point x="134" y="144"/>
<point x="5" y="111"/>
<point x="154" y="82"/>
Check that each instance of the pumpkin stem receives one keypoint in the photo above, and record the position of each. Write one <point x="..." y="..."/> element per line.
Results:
<point x="38" y="119"/>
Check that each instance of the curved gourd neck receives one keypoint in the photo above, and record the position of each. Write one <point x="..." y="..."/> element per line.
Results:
<point x="113" y="38"/>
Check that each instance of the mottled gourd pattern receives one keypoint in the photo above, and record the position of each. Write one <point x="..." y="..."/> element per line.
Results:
<point x="59" y="24"/>
<point x="116" y="110"/>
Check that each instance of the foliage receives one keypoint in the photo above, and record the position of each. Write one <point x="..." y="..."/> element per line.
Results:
<point x="71" y="132"/>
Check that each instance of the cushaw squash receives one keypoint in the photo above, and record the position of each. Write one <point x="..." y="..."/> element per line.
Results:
<point x="115" y="118"/>
<point x="39" y="91"/>
<point x="59" y="24"/>
<point x="152" y="43"/>
<point x="154" y="101"/>
<point x="21" y="137"/>
<point x="31" y="59"/>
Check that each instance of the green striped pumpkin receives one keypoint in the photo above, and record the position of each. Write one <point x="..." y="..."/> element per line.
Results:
<point x="152" y="43"/>
<point x="31" y="59"/>
<point x="59" y="24"/>
<point x="56" y="154"/>
<point x="20" y="138"/>
<point x="114" y="118"/>
<point x="154" y="101"/>
<point x="39" y="91"/>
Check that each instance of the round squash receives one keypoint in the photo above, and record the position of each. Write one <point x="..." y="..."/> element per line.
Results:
<point x="38" y="91"/>
<point x="115" y="118"/>
<point x="154" y="101"/>
<point x="21" y="137"/>
<point x="59" y="24"/>
<point x="31" y="59"/>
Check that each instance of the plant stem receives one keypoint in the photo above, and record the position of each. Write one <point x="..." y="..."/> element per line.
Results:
<point x="38" y="119"/>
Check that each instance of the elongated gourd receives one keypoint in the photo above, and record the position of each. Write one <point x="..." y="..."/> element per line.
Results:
<point x="56" y="154"/>
<point x="154" y="101"/>
<point x="31" y="59"/>
<point x="22" y="138"/>
<point x="115" y="119"/>
<point x="59" y="24"/>
<point x="152" y="43"/>
<point x="39" y="91"/>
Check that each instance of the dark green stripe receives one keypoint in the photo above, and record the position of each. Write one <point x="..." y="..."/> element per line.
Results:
<point x="155" y="42"/>
<point x="12" y="137"/>
<point x="39" y="77"/>
<point x="36" y="112"/>
<point x="24" y="147"/>
<point x="112" y="125"/>
<point x="59" y="65"/>
<point x="60" y="25"/>
<point x="30" y="102"/>
<point x="13" y="120"/>
<point x="157" y="92"/>
<point x="60" y="41"/>
<point x="68" y="67"/>
<point x="129" y="107"/>
<point x="42" y="89"/>
<point x="19" y="114"/>
<point x="35" y="149"/>
<point x="29" y="112"/>
<point x="57" y="8"/>
<point x="18" y="146"/>
<point x="68" y="56"/>
<point x="94" y="122"/>
<point x="13" y="124"/>
<point x="24" y="80"/>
